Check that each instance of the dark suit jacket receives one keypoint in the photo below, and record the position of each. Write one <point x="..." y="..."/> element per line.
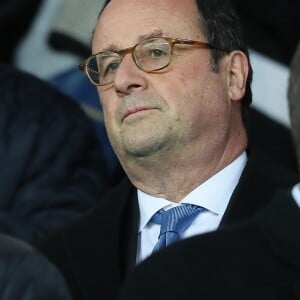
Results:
<point x="26" y="275"/>
<point x="97" y="253"/>
<point x="51" y="169"/>
<point x="257" y="259"/>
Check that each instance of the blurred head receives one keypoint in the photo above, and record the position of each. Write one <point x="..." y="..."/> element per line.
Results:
<point x="294" y="100"/>
<point x="192" y="104"/>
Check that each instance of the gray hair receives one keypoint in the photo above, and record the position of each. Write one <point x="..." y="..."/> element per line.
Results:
<point x="294" y="100"/>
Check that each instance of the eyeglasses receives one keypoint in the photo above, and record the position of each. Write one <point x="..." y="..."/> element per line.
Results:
<point x="150" y="55"/>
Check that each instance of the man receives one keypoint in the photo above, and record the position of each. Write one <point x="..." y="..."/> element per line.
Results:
<point x="258" y="259"/>
<point x="294" y="100"/>
<point x="174" y="82"/>
<point x="26" y="275"/>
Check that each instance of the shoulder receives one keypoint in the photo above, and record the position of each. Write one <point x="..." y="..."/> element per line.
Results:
<point x="261" y="178"/>
<point x="23" y="268"/>
<point x="81" y="233"/>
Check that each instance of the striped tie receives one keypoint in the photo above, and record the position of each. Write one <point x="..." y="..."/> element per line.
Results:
<point x="173" y="223"/>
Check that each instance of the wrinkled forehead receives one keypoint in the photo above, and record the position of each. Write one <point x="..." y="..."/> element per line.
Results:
<point x="123" y="22"/>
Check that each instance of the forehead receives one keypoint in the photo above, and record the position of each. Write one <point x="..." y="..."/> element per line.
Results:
<point x="124" y="22"/>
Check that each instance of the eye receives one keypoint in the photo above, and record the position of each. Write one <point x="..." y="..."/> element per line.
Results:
<point x="157" y="53"/>
<point x="111" y="68"/>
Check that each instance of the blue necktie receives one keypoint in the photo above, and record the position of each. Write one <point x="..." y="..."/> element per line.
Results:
<point x="173" y="223"/>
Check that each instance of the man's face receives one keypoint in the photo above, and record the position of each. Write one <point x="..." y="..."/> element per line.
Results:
<point x="184" y="104"/>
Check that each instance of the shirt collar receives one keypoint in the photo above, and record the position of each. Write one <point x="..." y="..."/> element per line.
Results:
<point x="214" y="194"/>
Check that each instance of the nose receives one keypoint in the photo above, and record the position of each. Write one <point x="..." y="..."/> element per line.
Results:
<point x="129" y="78"/>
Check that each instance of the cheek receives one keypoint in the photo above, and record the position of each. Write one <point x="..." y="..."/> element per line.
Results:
<point x="202" y="96"/>
<point x="109" y="108"/>
<point x="192" y="82"/>
<point x="108" y="104"/>
<point x="205" y="85"/>
<point x="189" y="75"/>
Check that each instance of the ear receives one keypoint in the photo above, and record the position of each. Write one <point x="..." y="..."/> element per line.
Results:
<point x="238" y="68"/>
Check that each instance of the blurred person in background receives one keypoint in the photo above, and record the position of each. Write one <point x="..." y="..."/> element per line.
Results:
<point x="27" y="275"/>
<point x="51" y="168"/>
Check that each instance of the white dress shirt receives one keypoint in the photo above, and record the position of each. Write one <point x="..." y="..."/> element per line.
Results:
<point x="296" y="193"/>
<point x="213" y="195"/>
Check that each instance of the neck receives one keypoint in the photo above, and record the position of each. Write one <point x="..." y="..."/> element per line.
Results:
<point x="172" y="175"/>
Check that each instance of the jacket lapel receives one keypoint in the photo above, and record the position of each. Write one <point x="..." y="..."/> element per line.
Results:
<point x="101" y="260"/>
<point x="129" y="235"/>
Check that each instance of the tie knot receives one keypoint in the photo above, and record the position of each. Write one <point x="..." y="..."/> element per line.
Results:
<point x="176" y="219"/>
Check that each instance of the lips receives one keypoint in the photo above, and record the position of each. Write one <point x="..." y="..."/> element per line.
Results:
<point x="134" y="110"/>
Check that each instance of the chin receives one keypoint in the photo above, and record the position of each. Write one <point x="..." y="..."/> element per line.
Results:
<point x="143" y="147"/>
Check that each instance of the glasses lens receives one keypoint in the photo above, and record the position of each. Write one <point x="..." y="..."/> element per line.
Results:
<point x="153" y="54"/>
<point x="101" y="68"/>
<point x="93" y="70"/>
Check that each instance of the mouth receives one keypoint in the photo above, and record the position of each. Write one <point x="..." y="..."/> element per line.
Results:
<point x="134" y="111"/>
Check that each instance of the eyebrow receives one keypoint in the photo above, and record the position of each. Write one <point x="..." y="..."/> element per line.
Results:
<point x="154" y="33"/>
